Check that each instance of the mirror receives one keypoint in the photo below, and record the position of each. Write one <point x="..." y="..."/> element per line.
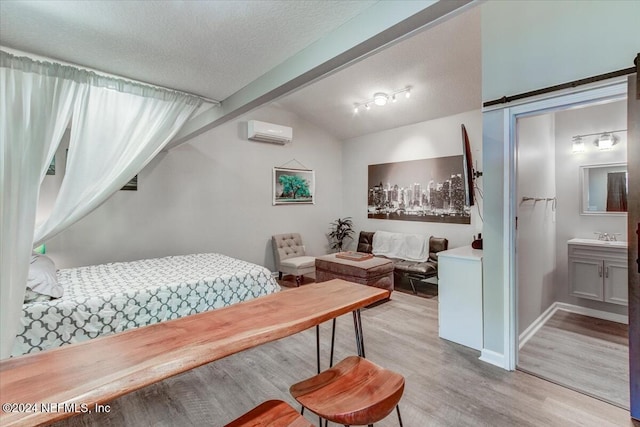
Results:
<point x="604" y="189"/>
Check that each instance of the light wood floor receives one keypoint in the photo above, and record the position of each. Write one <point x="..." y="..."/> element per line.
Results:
<point x="587" y="354"/>
<point x="446" y="384"/>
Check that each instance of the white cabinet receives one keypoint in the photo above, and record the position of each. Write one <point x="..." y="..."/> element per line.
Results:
<point x="616" y="282"/>
<point x="598" y="270"/>
<point x="460" y="296"/>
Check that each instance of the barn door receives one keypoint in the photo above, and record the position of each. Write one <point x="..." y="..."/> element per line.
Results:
<point x="633" y="159"/>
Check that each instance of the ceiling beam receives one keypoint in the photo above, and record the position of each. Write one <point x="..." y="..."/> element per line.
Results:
<point x="373" y="29"/>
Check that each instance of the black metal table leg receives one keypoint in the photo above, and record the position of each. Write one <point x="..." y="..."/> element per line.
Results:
<point x="333" y="341"/>
<point x="357" y="325"/>
<point x="318" y="346"/>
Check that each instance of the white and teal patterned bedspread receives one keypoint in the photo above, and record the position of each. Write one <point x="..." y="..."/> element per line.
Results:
<point x="107" y="298"/>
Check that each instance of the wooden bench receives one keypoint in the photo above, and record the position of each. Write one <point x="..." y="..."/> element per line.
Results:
<point x="100" y="370"/>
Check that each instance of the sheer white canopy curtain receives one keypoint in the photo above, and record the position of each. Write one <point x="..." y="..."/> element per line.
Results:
<point x="117" y="128"/>
<point x="37" y="101"/>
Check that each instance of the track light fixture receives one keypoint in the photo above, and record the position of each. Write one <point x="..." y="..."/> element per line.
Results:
<point x="380" y="99"/>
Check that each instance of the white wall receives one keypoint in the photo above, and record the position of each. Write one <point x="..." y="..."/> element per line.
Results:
<point x="213" y="194"/>
<point x="435" y="138"/>
<point x="536" y="233"/>
<point x="580" y="121"/>
<point x="528" y="45"/>
<point x="531" y="45"/>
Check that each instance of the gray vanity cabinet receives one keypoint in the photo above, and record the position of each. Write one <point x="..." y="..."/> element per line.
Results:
<point x="598" y="270"/>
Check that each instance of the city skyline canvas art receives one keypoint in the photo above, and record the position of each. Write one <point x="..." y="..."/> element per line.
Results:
<point x="430" y="190"/>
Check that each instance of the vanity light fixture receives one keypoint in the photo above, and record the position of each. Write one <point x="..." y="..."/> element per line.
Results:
<point x="577" y="144"/>
<point x="380" y="99"/>
<point x="604" y="141"/>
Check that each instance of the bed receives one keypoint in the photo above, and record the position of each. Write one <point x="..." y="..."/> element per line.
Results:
<point x="108" y="298"/>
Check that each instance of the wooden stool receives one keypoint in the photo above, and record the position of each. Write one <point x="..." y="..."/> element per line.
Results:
<point x="354" y="392"/>
<point x="272" y="413"/>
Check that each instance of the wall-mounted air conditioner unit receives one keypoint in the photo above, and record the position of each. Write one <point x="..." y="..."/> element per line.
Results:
<point x="268" y="132"/>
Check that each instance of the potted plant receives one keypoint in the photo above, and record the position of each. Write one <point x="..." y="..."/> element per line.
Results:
<point x="341" y="229"/>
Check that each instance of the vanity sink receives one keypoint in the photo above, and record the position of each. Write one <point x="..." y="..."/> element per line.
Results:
<point x="595" y="242"/>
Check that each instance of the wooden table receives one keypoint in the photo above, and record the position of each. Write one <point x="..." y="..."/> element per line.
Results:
<point x="100" y="370"/>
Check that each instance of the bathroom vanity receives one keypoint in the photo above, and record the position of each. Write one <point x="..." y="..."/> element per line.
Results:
<point x="598" y="270"/>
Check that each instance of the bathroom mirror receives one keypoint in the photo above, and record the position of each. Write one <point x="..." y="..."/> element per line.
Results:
<point x="604" y="189"/>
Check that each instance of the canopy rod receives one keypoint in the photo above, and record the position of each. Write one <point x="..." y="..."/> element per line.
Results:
<point x="568" y="85"/>
<point x="42" y="59"/>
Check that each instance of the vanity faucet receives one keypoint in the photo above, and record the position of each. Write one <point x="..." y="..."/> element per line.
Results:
<point x="606" y="236"/>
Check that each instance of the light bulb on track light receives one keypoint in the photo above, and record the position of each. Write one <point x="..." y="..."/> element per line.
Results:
<point x="380" y="98"/>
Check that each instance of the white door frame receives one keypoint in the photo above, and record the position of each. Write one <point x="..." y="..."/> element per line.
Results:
<point x="601" y="92"/>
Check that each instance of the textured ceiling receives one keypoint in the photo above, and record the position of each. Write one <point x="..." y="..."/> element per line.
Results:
<point x="441" y="64"/>
<point x="215" y="48"/>
<point x="210" y="48"/>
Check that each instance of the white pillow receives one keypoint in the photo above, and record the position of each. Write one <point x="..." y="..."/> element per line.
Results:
<point x="42" y="276"/>
<point x="30" y="296"/>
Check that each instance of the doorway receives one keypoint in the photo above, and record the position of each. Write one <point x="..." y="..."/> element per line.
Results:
<point x="575" y="339"/>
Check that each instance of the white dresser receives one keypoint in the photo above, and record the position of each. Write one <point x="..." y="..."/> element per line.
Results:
<point x="460" y="296"/>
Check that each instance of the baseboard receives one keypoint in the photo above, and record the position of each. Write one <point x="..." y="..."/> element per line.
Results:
<point x="598" y="314"/>
<point x="536" y="325"/>
<point x="493" y="358"/>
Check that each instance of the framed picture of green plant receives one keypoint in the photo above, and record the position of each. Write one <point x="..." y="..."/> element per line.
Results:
<point x="293" y="186"/>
